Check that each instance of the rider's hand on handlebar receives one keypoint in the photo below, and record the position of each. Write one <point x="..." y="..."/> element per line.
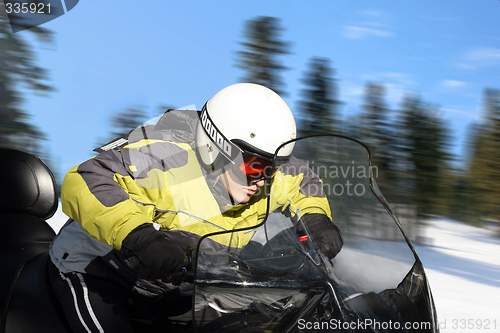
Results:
<point x="325" y="233"/>
<point x="158" y="256"/>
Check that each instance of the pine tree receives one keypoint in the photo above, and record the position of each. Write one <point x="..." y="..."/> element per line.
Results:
<point x="377" y="134"/>
<point x="462" y="204"/>
<point x="484" y="171"/>
<point x="260" y="59"/>
<point x="319" y="104"/>
<point x="18" y="70"/>
<point x="375" y="115"/>
<point x="423" y="155"/>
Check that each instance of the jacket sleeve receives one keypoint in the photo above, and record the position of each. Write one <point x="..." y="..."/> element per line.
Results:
<point x="301" y="188"/>
<point x="96" y="194"/>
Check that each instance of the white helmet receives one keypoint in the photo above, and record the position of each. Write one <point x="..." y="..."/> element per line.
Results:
<point x="244" y="118"/>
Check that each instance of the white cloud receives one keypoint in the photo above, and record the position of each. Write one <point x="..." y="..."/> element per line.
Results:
<point x="464" y="65"/>
<point x="354" y="32"/>
<point x="373" y="24"/>
<point x="484" y="54"/>
<point x="400" y="78"/>
<point x="452" y="84"/>
<point x="480" y="57"/>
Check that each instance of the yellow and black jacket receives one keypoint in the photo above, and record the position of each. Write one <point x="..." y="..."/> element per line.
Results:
<point x="156" y="178"/>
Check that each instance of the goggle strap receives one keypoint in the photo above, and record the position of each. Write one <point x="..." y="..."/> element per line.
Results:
<point x="228" y="149"/>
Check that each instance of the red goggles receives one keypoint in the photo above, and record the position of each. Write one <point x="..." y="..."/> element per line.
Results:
<point x="253" y="169"/>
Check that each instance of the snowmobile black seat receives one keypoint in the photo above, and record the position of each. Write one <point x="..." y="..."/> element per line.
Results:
<point x="27" y="199"/>
<point x="33" y="306"/>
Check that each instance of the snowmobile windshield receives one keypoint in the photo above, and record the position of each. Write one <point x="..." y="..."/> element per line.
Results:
<point x="284" y="279"/>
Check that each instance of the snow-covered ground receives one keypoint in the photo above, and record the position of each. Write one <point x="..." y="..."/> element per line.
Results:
<point x="463" y="267"/>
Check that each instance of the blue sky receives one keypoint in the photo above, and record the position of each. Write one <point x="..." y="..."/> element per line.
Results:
<point x="110" y="55"/>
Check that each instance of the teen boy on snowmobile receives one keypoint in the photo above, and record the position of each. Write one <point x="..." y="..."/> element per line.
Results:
<point x="192" y="174"/>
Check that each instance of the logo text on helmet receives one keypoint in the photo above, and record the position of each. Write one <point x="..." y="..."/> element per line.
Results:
<point x="216" y="136"/>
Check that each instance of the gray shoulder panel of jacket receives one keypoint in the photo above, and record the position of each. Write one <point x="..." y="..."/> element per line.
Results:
<point x="165" y="155"/>
<point x="98" y="173"/>
<point x="73" y="249"/>
<point x="311" y="184"/>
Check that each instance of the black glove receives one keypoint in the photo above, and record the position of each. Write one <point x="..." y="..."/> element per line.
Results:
<point x="324" y="232"/>
<point x="158" y="257"/>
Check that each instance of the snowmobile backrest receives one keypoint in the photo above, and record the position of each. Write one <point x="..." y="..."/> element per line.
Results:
<point x="27" y="198"/>
<point x="26" y="184"/>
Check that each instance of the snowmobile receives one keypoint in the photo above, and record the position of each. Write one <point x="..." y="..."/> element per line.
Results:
<point x="278" y="282"/>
